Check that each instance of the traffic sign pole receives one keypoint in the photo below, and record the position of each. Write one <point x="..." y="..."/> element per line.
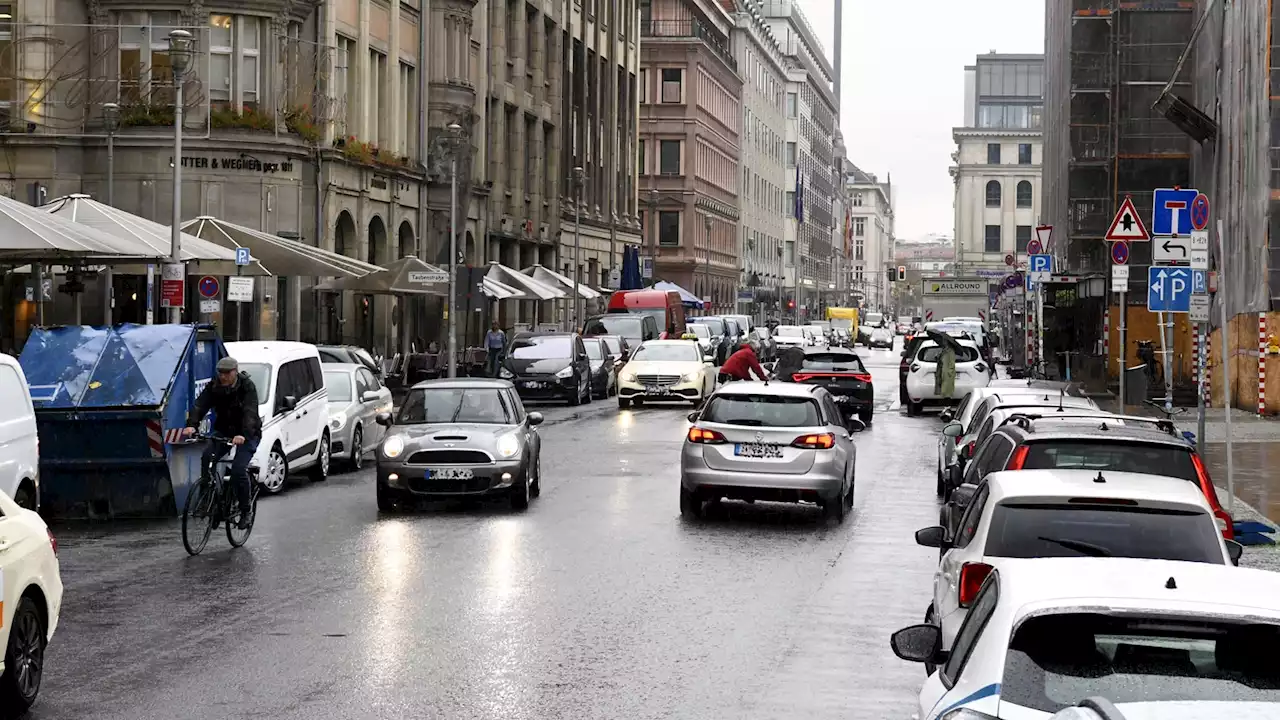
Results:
<point x="1226" y="373"/>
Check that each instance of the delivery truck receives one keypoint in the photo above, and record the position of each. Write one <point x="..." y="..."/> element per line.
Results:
<point x="956" y="297"/>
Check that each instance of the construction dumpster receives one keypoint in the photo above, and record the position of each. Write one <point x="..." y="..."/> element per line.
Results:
<point x="110" y="405"/>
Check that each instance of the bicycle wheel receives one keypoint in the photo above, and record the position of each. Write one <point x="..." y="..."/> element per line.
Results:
<point x="197" y="519"/>
<point x="235" y="535"/>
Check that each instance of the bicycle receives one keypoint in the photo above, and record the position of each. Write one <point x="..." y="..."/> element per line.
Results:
<point x="213" y="502"/>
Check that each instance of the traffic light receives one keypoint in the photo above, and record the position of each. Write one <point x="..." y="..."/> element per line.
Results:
<point x="893" y="275"/>
<point x="791" y="304"/>
<point x="902" y="273"/>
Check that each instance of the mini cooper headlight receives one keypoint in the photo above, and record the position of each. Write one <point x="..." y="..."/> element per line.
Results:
<point x="393" y="446"/>
<point x="508" y="445"/>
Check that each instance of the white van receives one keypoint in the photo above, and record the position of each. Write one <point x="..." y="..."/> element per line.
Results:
<point x="294" y="406"/>
<point x="19" y="445"/>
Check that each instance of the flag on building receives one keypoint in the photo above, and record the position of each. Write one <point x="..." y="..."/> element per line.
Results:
<point x="799" y="208"/>
<point x="848" y="233"/>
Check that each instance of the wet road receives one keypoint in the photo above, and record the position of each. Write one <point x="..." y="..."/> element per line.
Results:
<point x="599" y="602"/>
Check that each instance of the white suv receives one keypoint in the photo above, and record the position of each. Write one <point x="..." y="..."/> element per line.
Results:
<point x="971" y="372"/>
<point x="294" y="405"/>
<point x="19" y="443"/>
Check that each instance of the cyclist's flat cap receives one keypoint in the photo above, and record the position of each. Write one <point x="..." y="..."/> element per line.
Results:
<point x="228" y="364"/>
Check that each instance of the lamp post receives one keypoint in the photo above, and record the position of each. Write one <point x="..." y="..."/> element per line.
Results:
<point x="111" y="122"/>
<point x="180" y="51"/>
<point x="454" y="142"/>
<point x="579" y="181"/>
<point x="706" y="223"/>
<point x="653" y="233"/>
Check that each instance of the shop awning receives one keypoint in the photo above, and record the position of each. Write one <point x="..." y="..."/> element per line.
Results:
<point x="524" y="283"/>
<point x="406" y="276"/>
<point x="500" y="291"/>
<point x="551" y="278"/>
<point x="29" y="234"/>
<point x="200" y="256"/>
<point x="280" y="256"/>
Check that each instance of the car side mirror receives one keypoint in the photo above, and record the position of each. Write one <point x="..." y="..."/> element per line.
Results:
<point x="934" y="537"/>
<point x="903" y="353"/>
<point x="856" y="425"/>
<point x="947" y="415"/>
<point x="289" y="402"/>
<point x="918" y="643"/>
<point x="534" y="418"/>
<point x="952" y="429"/>
<point x="693" y="416"/>
<point x="383" y="419"/>
<point x="1235" y="551"/>
<point x="962" y="495"/>
<point x="369" y="396"/>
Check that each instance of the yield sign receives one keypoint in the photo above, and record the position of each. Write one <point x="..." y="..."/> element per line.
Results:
<point x="1127" y="226"/>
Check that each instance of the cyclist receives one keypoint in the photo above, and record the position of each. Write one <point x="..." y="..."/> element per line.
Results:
<point x="233" y="398"/>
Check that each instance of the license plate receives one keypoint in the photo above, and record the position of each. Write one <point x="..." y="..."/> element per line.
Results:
<point x="656" y="390"/>
<point x="533" y="384"/>
<point x="757" y="450"/>
<point x="843" y="399"/>
<point x="449" y="474"/>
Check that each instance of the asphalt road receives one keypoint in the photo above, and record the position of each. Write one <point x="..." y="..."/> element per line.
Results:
<point x="599" y="602"/>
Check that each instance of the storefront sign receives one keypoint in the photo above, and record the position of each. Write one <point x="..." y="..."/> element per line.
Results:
<point x="233" y="163"/>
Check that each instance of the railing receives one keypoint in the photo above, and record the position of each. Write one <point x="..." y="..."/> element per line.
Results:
<point x="1089" y="217"/>
<point x="690" y="28"/>
<point x="1090" y="143"/>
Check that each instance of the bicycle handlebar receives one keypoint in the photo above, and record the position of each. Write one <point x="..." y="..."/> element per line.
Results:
<point x="210" y="438"/>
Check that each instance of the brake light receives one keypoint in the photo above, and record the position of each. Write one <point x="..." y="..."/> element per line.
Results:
<point x="1225" y="523"/>
<point x="800" y="377"/>
<point x="820" y="441"/>
<point x="53" y="541"/>
<point x="862" y="376"/>
<point x="971" y="444"/>
<point x="1019" y="458"/>
<point x="972" y="575"/>
<point x="702" y="435"/>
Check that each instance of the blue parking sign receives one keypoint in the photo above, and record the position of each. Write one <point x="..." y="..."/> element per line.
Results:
<point x="1169" y="289"/>
<point x="242" y="256"/>
<point x="1171" y="211"/>
<point x="1199" y="282"/>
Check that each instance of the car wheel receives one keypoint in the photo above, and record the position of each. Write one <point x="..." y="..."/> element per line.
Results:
<point x="623" y="403"/>
<point x="320" y="471"/>
<point x="535" y="488"/>
<point x="277" y="470"/>
<point x="520" y="494"/>
<point x="23" y="658"/>
<point x="690" y="505"/>
<point x="833" y="509"/>
<point x="941" y="488"/>
<point x="848" y="498"/>
<point x="865" y="416"/>
<point x="577" y="397"/>
<point x="914" y="408"/>
<point x="26" y="496"/>
<point x="386" y="501"/>
<point x="357" y="448"/>
<point x="590" y="392"/>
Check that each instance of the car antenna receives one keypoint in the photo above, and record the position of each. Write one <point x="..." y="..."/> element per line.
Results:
<point x="1060" y="397"/>
<point x="1099" y="479"/>
<point x="1171" y="584"/>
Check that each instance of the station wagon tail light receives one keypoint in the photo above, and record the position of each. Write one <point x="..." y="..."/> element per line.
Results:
<point x="972" y="575"/>
<point x="705" y="436"/>
<point x="819" y="441"/>
<point x="1019" y="458"/>
<point x="1225" y="524"/>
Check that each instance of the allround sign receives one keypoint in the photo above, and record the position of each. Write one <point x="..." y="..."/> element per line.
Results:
<point x="1200" y="212"/>
<point x="208" y="287"/>
<point x="1120" y="252"/>
<point x="1034" y="248"/>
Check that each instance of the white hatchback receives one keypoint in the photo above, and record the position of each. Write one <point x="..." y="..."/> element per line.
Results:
<point x="30" y="601"/>
<point x="972" y="372"/>
<point x="1152" y="636"/>
<point x="19" y="442"/>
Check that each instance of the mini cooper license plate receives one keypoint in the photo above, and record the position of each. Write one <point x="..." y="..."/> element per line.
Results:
<point x="449" y="474"/>
<point x="533" y="384"/>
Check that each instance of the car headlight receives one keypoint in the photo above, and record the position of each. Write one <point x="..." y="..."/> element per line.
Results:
<point x="508" y="445"/>
<point x="337" y="421"/>
<point x="393" y="446"/>
<point x="565" y="373"/>
<point x="629" y="377"/>
<point x="506" y="374"/>
<point x="687" y="377"/>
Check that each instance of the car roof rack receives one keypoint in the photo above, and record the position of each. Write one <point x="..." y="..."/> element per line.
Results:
<point x="1027" y="420"/>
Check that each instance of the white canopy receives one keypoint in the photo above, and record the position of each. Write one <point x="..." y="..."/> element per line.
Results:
<point x="551" y="278"/>
<point x="526" y="284"/>
<point x="29" y="234"/>
<point x="281" y="256"/>
<point x="499" y="291"/>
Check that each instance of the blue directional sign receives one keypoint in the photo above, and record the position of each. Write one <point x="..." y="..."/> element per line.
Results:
<point x="1169" y="289"/>
<point x="1199" y="282"/>
<point x="242" y="256"/>
<point x="1171" y="213"/>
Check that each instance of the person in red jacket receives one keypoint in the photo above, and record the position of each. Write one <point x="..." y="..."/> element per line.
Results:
<point x="741" y="364"/>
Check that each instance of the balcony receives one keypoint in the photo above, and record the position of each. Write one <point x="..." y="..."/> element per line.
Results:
<point x="689" y="30"/>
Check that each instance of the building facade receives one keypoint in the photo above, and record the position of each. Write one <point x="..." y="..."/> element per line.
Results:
<point x="998" y="161"/>
<point x="870" y="250"/>
<point x="810" y="108"/>
<point x="689" y="139"/>
<point x="762" y="194"/>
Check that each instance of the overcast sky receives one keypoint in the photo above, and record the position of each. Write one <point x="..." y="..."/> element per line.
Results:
<point x="903" y="88"/>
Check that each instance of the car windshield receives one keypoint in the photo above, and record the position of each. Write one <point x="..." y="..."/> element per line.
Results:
<point x="614" y="344"/>
<point x="260" y="374"/>
<point x="762" y="411"/>
<point x="1135" y="457"/>
<point x="681" y="352"/>
<point x="701" y="331"/>
<point x="1042" y="530"/>
<point x="875" y="318"/>
<point x="881" y="332"/>
<point x="716" y="324"/>
<point x="541" y="347"/>
<point x="659" y="316"/>
<point x="833" y="362"/>
<point x="932" y="353"/>
<point x="446" y="405"/>
<point x="595" y="351"/>
<point x="1055" y="660"/>
<point x="624" y="324"/>
<point x="338" y="383"/>
<point x="365" y="358"/>
<point x="789" y="331"/>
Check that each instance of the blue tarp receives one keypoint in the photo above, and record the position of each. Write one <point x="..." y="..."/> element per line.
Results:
<point x="110" y="367"/>
<point x="688" y="298"/>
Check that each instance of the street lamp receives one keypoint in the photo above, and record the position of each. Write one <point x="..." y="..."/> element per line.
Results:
<point x="453" y="143"/>
<point x="706" y="223"/>
<point x="579" y="181"/>
<point x="111" y="122"/>
<point x="180" y="52"/>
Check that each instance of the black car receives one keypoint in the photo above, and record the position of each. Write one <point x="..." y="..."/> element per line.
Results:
<point x="349" y="354"/>
<point x="841" y="372"/>
<point x="549" y="366"/>
<point x="602" y="377"/>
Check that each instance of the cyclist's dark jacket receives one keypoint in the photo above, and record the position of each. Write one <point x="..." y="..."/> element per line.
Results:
<point x="235" y="408"/>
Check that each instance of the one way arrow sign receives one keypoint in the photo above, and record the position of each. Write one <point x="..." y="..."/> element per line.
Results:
<point x="1171" y="251"/>
<point x="1127" y="225"/>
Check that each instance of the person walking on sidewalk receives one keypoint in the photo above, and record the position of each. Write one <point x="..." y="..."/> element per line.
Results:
<point x="741" y="364"/>
<point x="494" y="342"/>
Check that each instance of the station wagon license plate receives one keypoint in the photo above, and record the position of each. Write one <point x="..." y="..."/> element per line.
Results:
<point x="449" y="473"/>
<point x="757" y="450"/>
<point x="656" y="390"/>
